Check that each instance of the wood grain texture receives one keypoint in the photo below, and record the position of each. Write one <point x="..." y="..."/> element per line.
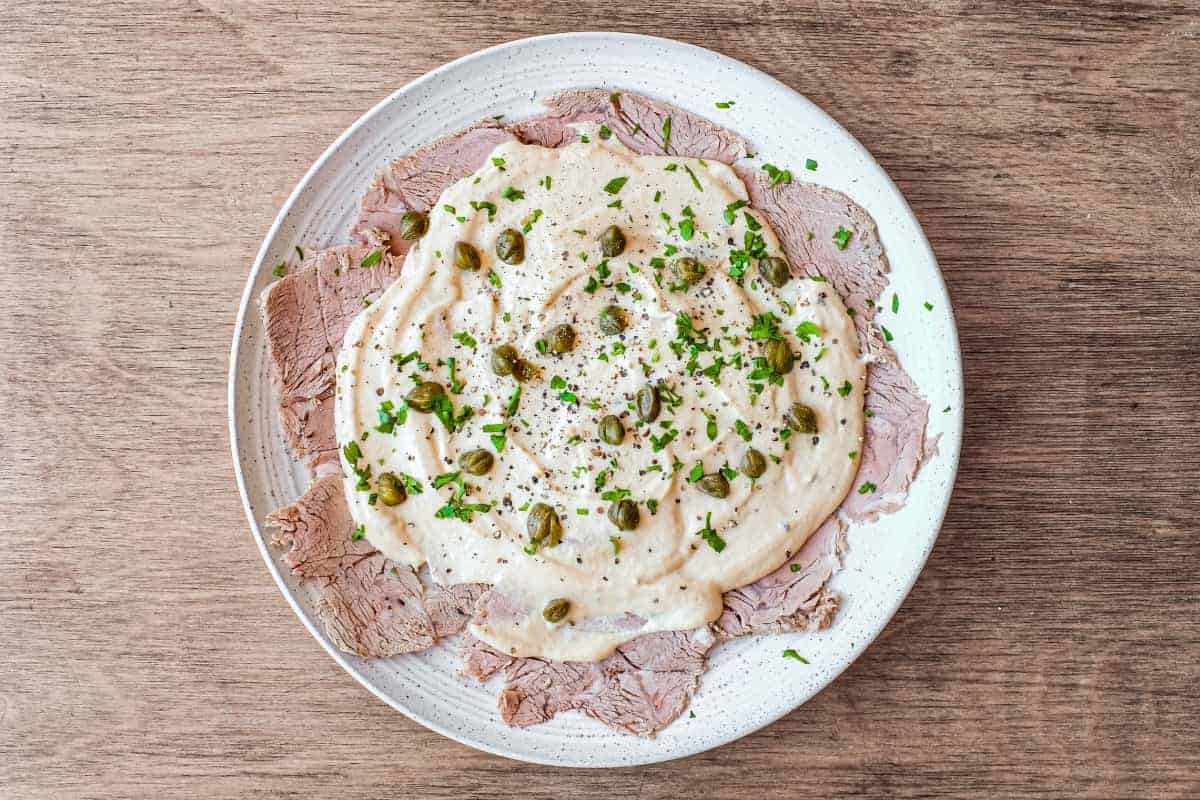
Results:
<point x="1050" y="649"/>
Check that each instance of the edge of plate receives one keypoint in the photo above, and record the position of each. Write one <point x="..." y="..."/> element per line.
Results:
<point x="246" y="300"/>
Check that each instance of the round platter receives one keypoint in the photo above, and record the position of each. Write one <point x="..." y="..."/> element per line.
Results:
<point x="748" y="684"/>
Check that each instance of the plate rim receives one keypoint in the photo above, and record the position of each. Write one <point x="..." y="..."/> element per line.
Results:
<point x="951" y="454"/>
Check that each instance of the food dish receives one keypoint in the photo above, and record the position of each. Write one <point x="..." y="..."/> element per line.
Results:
<point x="340" y="279"/>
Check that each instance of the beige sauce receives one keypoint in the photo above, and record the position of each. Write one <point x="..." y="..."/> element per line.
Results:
<point x="663" y="575"/>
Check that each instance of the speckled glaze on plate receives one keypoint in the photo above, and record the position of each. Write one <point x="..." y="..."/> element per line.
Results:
<point x="748" y="683"/>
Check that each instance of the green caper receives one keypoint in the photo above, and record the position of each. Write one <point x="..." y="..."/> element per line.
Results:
<point x="556" y="610"/>
<point x="801" y="418"/>
<point x="754" y="463"/>
<point x="624" y="514"/>
<point x="543" y="525"/>
<point x="611" y="429"/>
<point x="779" y="356"/>
<point x="613" y="320"/>
<point x="413" y="225"/>
<point x="476" y="462"/>
<point x="647" y="403"/>
<point x="510" y="246"/>
<point x="424" y="396"/>
<point x="612" y="241"/>
<point x="688" y="270"/>
<point x="505" y="359"/>
<point x="391" y="489"/>
<point x="714" y="485"/>
<point x="774" y="270"/>
<point x="561" y="339"/>
<point x="466" y="256"/>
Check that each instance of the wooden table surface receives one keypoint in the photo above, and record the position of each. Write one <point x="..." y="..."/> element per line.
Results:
<point x="1050" y="648"/>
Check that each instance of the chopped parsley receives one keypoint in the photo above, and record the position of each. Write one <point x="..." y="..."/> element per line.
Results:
<point x="743" y="430"/>
<point x="710" y="535"/>
<point x="695" y="180"/>
<point x="499" y="162"/>
<point x="765" y="326"/>
<point x="810" y="164"/>
<point x="790" y="653"/>
<point x="867" y="488"/>
<point x="528" y="223"/>
<point x="390" y="416"/>
<point x="723" y="104"/>
<point x="485" y="205"/>
<point x="280" y="269"/>
<point x="806" y="330"/>
<point x="845" y="389"/>
<point x="465" y="339"/>
<point x="605" y="132"/>
<point x="731" y="209"/>
<point x="777" y="175"/>
<point x="512" y="195"/>
<point x="928" y="306"/>
<point x="887" y="335"/>
<point x="493" y="278"/>
<point x="616" y="184"/>
<point x="895" y="303"/>
<point x="666" y="132"/>
<point x="359" y="532"/>
<point x="841" y="237"/>
<point x="687" y="229"/>
<point x="371" y="259"/>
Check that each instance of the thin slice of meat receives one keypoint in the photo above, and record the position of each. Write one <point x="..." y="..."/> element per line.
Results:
<point x="306" y="314"/>
<point x="370" y="605"/>
<point x="795" y="596"/>
<point x="639" y="689"/>
<point x="414" y="182"/>
<point x="895" y="445"/>
<point x="637" y="121"/>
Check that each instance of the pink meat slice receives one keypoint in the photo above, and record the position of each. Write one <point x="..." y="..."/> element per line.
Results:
<point x="795" y="596"/>
<point x="416" y="181"/>
<point x="370" y="605"/>
<point x="636" y="120"/>
<point x="639" y="689"/>
<point x="306" y="314"/>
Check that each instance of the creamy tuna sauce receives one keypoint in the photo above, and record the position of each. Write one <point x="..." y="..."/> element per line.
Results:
<point x="702" y="344"/>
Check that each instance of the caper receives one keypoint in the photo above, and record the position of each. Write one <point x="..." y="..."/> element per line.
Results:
<point x="543" y="525"/>
<point x="424" y="396"/>
<point x="612" y="241"/>
<point x="754" y="463"/>
<point x="801" y="418"/>
<point x="624" y="514"/>
<point x="774" y="270"/>
<point x="613" y="320"/>
<point x="647" y="403"/>
<point x="466" y="256"/>
<point x="688" y="270"/>
<point x="413" y="225"/>
<point x="611" y="429"/>
<point x="779" y="356"/>
<point x="510" y="246"/>
<point x="556" y="610"/>
<point x="476" y="462"/>
<point x="391" y="489"/>
<point x="561" y="339"/>
<point x="505" y="359"/>
<point x="714" y="485"/>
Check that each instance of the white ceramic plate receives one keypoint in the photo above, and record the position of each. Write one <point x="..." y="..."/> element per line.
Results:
<point x="748" y="683"/>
